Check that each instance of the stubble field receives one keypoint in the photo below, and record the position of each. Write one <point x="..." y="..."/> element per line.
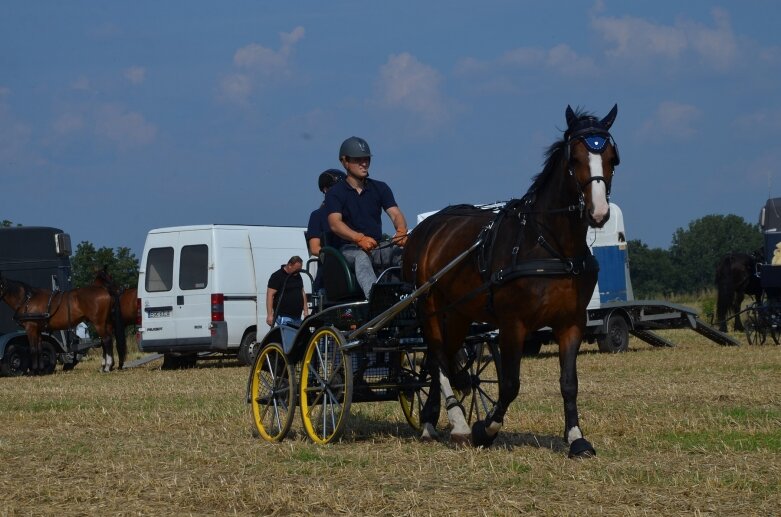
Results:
<point x="693" y="430"/>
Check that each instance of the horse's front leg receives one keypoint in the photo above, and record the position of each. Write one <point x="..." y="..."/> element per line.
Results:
<point x="484" y="432"/>
<point x="34" y="340"/>
<point x="569" y="343"/>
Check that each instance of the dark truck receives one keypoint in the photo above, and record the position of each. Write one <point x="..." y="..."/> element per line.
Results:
<point x="39" y="257"/>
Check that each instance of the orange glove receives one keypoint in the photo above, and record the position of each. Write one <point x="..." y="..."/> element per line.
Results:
<point x="400" y="239"/>
<point x="365" y="242"/>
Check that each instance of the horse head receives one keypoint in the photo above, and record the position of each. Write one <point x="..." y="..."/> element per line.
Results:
<point x="592" y="156"/>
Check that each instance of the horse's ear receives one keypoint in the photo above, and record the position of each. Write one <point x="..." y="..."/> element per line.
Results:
<point x="570" y="116"/>
<point x="610" y="118"/>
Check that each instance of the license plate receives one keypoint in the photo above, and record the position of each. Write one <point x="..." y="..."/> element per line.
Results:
<point x="158" y="314"/>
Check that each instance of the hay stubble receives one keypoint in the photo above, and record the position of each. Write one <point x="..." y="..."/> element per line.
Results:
<point x="690" y="430"/>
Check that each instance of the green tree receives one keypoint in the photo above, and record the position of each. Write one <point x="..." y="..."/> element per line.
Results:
<point x="652" y="271"/>
<point x="696" y="251"/>
<point x="122" y="265"/>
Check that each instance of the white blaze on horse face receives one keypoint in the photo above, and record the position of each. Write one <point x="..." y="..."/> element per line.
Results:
<point x="598" y="191"/>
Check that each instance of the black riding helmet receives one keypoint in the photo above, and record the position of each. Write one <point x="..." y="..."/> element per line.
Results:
<point x="354" y="147"/>
<point x="330" y="178"/>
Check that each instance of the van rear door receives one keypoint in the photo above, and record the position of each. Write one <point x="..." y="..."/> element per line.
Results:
<point x="192" y="306"/>
<point x="156" y="291"/>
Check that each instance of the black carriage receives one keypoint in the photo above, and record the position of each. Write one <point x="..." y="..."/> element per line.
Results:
<point x="763" y="317"/>
<point x="355" y="350"/>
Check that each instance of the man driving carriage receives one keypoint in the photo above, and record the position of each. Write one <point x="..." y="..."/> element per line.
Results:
<point x="355" y="208"/>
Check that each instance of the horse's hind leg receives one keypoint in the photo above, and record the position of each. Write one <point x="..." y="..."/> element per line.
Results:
<point x="429" y="413"/>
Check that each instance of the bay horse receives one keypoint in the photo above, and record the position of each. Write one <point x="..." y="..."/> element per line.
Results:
<point x="532" y="269"/>
<point x="736" y="277"/>
<point x="38" y="310"/>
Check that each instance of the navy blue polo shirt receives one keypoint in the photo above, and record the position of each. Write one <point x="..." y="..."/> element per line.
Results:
<point x="318" y="228"/>
<point x="361" y="212"/>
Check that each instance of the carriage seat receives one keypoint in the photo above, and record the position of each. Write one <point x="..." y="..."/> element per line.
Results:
<point x="339" y="282"/>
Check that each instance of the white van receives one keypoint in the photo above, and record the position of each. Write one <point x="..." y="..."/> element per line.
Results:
<point x="203" y="288"/>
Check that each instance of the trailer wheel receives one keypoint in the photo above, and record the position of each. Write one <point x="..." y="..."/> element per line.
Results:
<point x="48" y="357"/>
<point x="273" y="396"/>
<point x="326" y="386"/>
<point x="616" y="339"/>
<point x="16" y="360"/>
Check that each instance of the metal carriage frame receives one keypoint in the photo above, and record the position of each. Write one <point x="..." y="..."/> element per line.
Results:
<point x="360" y="351"/>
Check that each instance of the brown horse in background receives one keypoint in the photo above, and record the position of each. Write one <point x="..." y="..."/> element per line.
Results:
<point x="532" y="269"/>
<point x="41" y="310"/>
<point x="736" y="277"/>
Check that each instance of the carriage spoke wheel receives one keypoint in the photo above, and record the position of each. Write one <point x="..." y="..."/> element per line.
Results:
<point x="477" y="385"/>
<point x="414" y="386"/>
<point x="272" y="394"/>
<point x="756" y="331"/>
<point x="326" y="386"/>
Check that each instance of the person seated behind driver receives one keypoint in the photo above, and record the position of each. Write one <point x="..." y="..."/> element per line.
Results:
<point x="285" y="295"/>
<point x="355" y="208"/>
<point x="318" y="232"/>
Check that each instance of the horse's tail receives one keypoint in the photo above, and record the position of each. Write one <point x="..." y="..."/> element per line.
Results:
<point x="119" y="328"/>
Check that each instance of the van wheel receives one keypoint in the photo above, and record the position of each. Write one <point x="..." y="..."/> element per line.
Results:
<point x="179" y="361"/>
<point x="248" y="349"/>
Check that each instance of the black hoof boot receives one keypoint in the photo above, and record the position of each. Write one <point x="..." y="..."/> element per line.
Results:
<point x="480" y="438"/>
<point x="580" y="448"/>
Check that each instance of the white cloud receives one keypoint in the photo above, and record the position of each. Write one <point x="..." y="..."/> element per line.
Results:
<point x="235" y="88"/>
<point x="259" y="65"/>
<point x="672" y="119"/>
<point x="635" y="38"/>
<point x="125" y="128"/>
<point x="561" y="59"/>
<point x="68" y="123"/>
<point x="406" y="83"/>
<point x="81" y="84"/>
<point x="135" y="74"/>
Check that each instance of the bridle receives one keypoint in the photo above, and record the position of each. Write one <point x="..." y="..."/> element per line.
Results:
<point x="595" y="138"/>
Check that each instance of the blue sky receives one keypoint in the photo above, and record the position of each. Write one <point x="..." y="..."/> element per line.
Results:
<point x="120" y="117"/>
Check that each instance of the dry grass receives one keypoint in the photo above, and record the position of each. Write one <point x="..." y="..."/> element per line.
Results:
<point x="694" y="430"/>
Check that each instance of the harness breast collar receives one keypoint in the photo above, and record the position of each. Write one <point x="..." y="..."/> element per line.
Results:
<point x="557" y="265"/>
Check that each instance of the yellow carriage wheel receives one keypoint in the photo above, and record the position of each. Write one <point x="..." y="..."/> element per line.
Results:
<point x="414" y="386"/>
<point x="272" y="393"/>
<point x="326" y="386"/>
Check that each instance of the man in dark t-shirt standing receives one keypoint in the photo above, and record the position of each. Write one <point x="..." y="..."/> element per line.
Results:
<point x="285" y="295"/>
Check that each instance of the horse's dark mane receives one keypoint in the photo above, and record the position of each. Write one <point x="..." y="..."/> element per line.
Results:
<point x="553" y="157"/>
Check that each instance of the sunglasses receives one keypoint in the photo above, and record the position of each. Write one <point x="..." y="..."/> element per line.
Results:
<point x="361" y="159"/>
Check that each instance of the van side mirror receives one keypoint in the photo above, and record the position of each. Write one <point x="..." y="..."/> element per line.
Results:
<point x="62" y="244"/>
<point x="762" y="218"/>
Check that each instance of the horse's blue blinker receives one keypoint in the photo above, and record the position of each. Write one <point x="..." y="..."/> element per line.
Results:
<point x="595" y="143"/>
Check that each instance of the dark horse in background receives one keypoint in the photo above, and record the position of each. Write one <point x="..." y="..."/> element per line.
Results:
<point x="533" y="269"/>
<point x="125" y="306"/>
<point x="736" y="277"/>
<point x="41" y="310"/>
